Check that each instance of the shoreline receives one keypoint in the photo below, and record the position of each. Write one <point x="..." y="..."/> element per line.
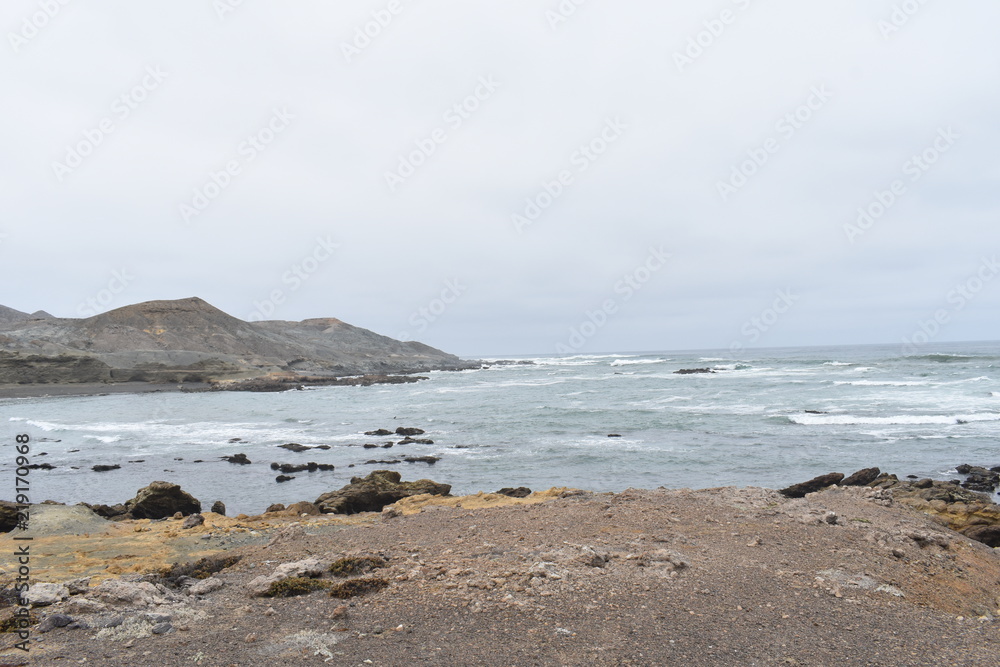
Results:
<point x="94" y="389"/>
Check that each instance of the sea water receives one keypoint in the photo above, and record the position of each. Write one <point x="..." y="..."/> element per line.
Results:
<point x="767" y="418"/>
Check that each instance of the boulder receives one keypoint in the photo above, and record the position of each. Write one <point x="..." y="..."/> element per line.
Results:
<point x="294" y="447"/>
<point x="116" y="512"/>
<point x="239" y="459"/>
<point x="160" y="500"/>
<point x="283" y="478"/>
<point x="310" y="567"/>
<point x="193" y="521"/>
<point x="219" y="507"/>
<point x="519" y="492"/>
<point x="862" y="477"/>
<point x="303" y="507"/>
<point x="813" y="485"/>
<point x="422" y="459"/>
<point x="276" y="507"/>
<point x="408" y="431"/>
<point x="8" y="516"/>
<point x="372" y="493"/>
<point x="379" y="432"/>
<point x="41" y="595"/>
<point x="104" y="468"/>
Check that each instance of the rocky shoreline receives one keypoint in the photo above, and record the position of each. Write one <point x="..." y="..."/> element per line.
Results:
<point x="384" y="571"/>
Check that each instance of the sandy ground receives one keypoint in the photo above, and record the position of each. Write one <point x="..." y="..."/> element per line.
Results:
<point x="663" y="577"/>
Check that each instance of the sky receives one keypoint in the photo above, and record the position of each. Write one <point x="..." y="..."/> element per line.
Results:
<point x="512" y="176"/>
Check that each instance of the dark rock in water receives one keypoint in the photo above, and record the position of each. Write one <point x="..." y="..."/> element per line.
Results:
<point x="614" y="435"/>
<point x="863" y="477"/>
<point x="988" y="535"/>
<point x="372" y="493"/>
<point x="160" y="500"/>
<point x="275" y="465"/>
<point x="192" y="521"/>
<point x="276" y="507"/>
<point x="40" y="466"/>
<point x="978" y="478"/>
<point x="312" y="466"/>
<point x="283" y="478"/>
<point x="963" y="469"/>
<point x="322" y="447"/>
<point x="294" y="447"/>
<point x="370" y="445"/>
<point x="389" y="462"/>
<point x="691" y="371"/>
<point x="236" y="440"/>
<point x="422" y="459"/>
<point x="387" y="445"/>
<point x="912" y="477"/>
<point x="379" y="432"/>
<point x="137" y="461"/>
<point x="416" y="441"/>
<point x="409" y="431"/>
<point x="240" y="459"/>
<point x="815" y="412"/>
<point x="519" y="492"/>
<point x="8" y="516"/>
<point x="325" y="467"/>
<point x="219" y="507"/>
<point x="815" y="484"/>
<point x="103" y="468"/>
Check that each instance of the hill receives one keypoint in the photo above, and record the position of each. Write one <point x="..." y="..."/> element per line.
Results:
<point x="190" y="340"/>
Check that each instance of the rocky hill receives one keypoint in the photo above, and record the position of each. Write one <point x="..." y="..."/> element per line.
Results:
<point x="189" y="340"/>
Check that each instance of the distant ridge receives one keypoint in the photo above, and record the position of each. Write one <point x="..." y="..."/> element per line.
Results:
<point x="191" y="340"/>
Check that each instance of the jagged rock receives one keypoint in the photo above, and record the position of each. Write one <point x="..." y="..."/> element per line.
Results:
<point x="105" y="468"/>
<point x="310" y="567"/>
<point x="160" y="500"/>
<point x="240" y="459"/>
<point x="379" y="432"/>
<point x="978" y="478"/>
<point x="41" y="595"/>
<point x="219" y="507"/>
<point x="813" y="485"/>
<point x="193" y="521"/>
<point x="372" y="493"/>
<point x="409" y="431"/>
<point x="988" y="535"/>
<point x="519" y="492"/>
<point x="863" y="477"/>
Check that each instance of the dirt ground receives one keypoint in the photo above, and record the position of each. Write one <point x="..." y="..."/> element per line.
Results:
<point x="662" y="577"/>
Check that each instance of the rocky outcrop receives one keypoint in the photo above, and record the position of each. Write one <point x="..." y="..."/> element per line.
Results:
<point x="160" y="500"/>
<point x="862" y="477"/>
<point x="372" y="493"/>
<point x="813" y="485"/>
<point x="18" y="368"/>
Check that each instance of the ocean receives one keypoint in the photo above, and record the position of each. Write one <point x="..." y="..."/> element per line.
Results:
<point x="769" y="418"/>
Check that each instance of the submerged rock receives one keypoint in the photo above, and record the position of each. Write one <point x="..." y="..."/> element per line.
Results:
<point x="372" y="493"/>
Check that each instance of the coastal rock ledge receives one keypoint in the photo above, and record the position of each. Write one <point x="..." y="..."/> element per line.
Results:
<point x="372" y="493"/>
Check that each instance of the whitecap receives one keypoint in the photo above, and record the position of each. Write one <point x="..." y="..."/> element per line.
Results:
<point x="899" y="420"/>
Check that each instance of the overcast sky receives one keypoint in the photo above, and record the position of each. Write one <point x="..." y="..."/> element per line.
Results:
<point x="511" y="176"/>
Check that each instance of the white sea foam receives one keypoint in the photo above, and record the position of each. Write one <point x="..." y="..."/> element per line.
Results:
<point x="995" y="394"/>
<point x="635" y="362"/>
<point x="106" y="439"/>
<point x="837" y="363"/>
<point x="818" y="420"/>
<point x="878" y="383"/>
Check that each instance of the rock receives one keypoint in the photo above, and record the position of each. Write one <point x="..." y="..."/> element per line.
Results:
<point x="283" y="478"/>
<point x="925" y="483"/>
<point x="418" y="441"/>
<point x="294" y="447"/>
<point x="813" y="485"/>
<point x="988" y="535"/>
<point x="384" y="462"/>
<point x="40" y="466"/>
<point x="303" y="507"/>
<point x="276" y="507"/>
<point x="614" y="435"/>
<point x="77" y="586"/>
<point x="162" y="628"/>
<point x="219" y="507"/>
<point x="205" y="586"/>
<point x="978" y="478"/>
<point x="691" y="371"/>
<point x="131" y="593"/>
<point x="409" y="431"/>
<point x="193" y="521"/>
<point x="157" y="618"/>
<point x="370" y="445"/>
<point x="863" y="477"/>
<point x="519" y="492"/>
<point x="379" y="432"/>
<point x="239" y="459"/>
<point x="372" y="493"/>
<point x="117" y="512"/>
<point x="104" y="468"/>
<point x="54" y="621"/>
<point x="388" y="445"/>
<point x="310" y="567"/>
<point x="160" y="500"/>
<point x="431" y="460"/>
<point x="41" y="595"/>
<point x="8" y="516"/>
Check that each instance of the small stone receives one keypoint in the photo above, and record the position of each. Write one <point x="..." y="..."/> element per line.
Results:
<point x="162" y="629"/>
<point x="250" y="638"/>
<point x="270" y="611"/>
<point x="178" y="515"/>
<point x="54" y="621"/>
<point x="193" y="521"/>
